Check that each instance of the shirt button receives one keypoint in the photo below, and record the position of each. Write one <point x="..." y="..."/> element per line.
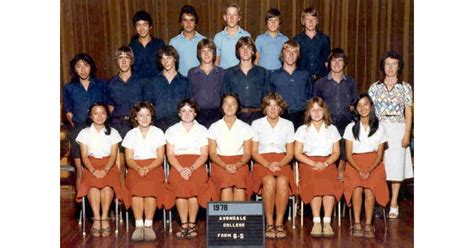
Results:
<point x="246" y="87"/>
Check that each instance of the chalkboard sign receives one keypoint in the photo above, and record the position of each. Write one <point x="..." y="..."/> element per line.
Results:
<point x="235" y="224"/>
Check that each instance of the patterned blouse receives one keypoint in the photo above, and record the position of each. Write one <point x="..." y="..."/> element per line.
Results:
<point x="390" y="105"/>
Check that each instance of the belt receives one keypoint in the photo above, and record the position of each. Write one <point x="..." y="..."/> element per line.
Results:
<point x="391" y="115"/>
<point x="315" y="77"/>
<point x="122" y="118"/>
<point x="250" y="110"/>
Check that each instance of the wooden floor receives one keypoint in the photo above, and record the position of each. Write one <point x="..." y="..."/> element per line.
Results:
<point x="399" y="231"/>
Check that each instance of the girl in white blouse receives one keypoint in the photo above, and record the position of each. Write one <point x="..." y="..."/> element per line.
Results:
<point x="100" y="179"/>
<point x="230" y="150"/>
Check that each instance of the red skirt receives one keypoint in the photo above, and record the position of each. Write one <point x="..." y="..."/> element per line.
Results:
<point x="319" y="183"/>
<point x="375" y="182"/>
<point x="259" y="172"/>
<point x="112" y="179"/>
<point x="223" y="179"/>
<point x="198" y="184"/>
<point x="151" y="185"/>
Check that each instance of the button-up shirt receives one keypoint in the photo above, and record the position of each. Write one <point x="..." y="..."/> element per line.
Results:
<point x="77" y="100"/>
<point x="365" y="143"/>
<point x="251" y="88"/>
<point x="206" y="89"/>
<point x="390" y="105"/>
<point x="295" y="88"/>
<point x="144" y="147"/>
<point x="145" y="62"/>
<point x="269" y="49"/>
<point x="230" y="141"/>
<point x="187" y="50"/>
<point x="317" y="142"/>
<point x="123" y="95"/>
<point x="273" y="139"/>
<point x="225" y="45"/>
<point x="187" y="142"/>
<point x="99" y="144"/>
<point x="314" y="53"/>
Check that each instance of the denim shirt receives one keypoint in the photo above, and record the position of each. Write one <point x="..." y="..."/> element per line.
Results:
<point x="123" y="95"/>
<point x="77" y="100"/>
<point x="145" y="62"/>
<point x="295" y="88"/>
<point x="314" y="53"/>
<point x="251" y="88"/>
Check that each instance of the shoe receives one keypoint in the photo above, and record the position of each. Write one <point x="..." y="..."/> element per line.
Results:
<point x="138" y="234"/>
<point x="327" y="230"/>
<point x="357" y="230"/>
<point x="95" y="232"/>
<point x="378" y="212"/>
<point x="148" y="233"/>
<point x="393" y="214"/>
<point x="317" y="230"/>
<point x="280" y="232"/>
<point x="192" y="230"/>
<point x="369" y="231"/>
<point x="270" y="232"/>
<point x="183" y="231"/>
<point x="106" y="230"/>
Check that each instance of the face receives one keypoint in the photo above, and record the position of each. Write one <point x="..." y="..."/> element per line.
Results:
<point x="229" y="106"/>
<point x="364" y="107"/>
<point x="83" y="69"/>
<point x="124" y="62"/>
<point x="310" y="22"/>
<point x="187" y="114"/>
<point x="232" y="17"/>
<point x="207" y="55"/>
<point x="98" y="115"/>
<point x="391" y="67"/>
<point x="290" y="56"/>
<point x="337" y="65"/>
<point x="188" y="22"/>
<point x="143" y="28"/>
<point x="273" y="110"/>
<point x="143" y="117"/>
<point x="168" y="62"/>
<point x="316" y="112"/>
<point x="245" y="52"/>
<point x="273" y="24"/>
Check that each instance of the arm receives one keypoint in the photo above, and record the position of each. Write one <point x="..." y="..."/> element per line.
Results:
<point x="85" y="159"/>
<point x="290" y="152"/>
<point x="185" y="172"/>
<point x="349" y="157"/>
<point x="213" y="154"/>
<point x="300" y="156"/>
<point x="112" y="158"/>
<point x="247" y="154"/>
<point x="378" y="159"/>
<point x="67" y="106"/>
<point x="201" y="159"/>
<point x="129" y="159"/>
<point x="408" y="125"/>
<point x="257" y="157"/>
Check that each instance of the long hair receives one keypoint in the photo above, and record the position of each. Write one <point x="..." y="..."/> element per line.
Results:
<point x="107" y="119"/>
<point x="373" y="120"/>
<point x="87" y="59"/>
<point x="321" y="103"/>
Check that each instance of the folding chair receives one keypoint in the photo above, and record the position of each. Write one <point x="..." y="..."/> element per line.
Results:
<point x="82" y="216"/>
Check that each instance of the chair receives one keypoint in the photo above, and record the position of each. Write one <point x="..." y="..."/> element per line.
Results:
<point x="82" y="216"/>
<point x="384" y="216"/>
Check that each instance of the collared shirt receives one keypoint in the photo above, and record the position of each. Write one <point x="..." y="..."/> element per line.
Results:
<point x="230" y="142"/>
<point x="206" y="89"/>
<point x="225" y="45"/>
<point x="145" y="62"/>
<point x="269" y="49"/>
<point x="295" y="88"/>
<point x="144" y="147"/>
<point x="187" y="50"/>
<point x="166" y="96"/>
<point x="365" y="143"/>
<point x="317" y="143"/>
<point x="123" y="95"/>
<point x="338" y="96"/>
<point x="314" y="53"/>
<point x="98" y="144"/>
<point x="77" y="100"/>
<point x="187" y="142"/>
<point x="390" y="105"/>
<point x="251" y="88"/>
<point x="273" y="139"/>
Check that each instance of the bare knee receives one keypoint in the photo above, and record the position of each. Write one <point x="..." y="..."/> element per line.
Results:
<point x="269" y="183"/>
<point x="282" y="183"/>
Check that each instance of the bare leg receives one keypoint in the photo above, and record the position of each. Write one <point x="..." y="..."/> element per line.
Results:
<point x="328" y="203"/>
<point x="137" y="207"/>
<point x="121" y="166"/>
<point x="281" y="198"/>
<point x="150" y="207"/>
<point x="268" y="196"/>
<point x="395" y="192"/>
<point x="94" y="199"/>
<point x="183" y="209"/>
<point x="239" y="194"/>
<point x="369" y="205"/>
<point x="193" y="208"/>
<point x="227" y="194"/>
<point x="316" y="206"/>
<point x="357" y="203"/>
<point x="106" y="195"/>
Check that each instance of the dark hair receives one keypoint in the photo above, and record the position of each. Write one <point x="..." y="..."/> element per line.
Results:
<point x="373" y="120"/>
<point x="231" y="94"/>
<point x="206" y="43"/>
<point x="188" y="9"/>
<point x="107" y="120"/>
<point x="321" y="103"/>
<point x="335" y="54"/>
<point x="232" y="5"/>
<point x="137" y="107"/>
<point x="246" y="41"/>
<point x="87" y="59"/>
<point x="393" y="55"/>
<point x="168" y="51"/>
<point x="190" y="102"/>
<point x="275" y="97"/>
<point x="272" y="13"/>
<point x="142" y="15"/>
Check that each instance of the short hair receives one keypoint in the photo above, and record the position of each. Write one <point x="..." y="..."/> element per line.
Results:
<point x="277" y="98"/>
<point x="87" y="59"/>
<point x="124" y="49"/>
<point x="190" y="102"/>
<point x="107" y="119"/>
<point x="139" y="106"/>
<point x="290" y="44"/>
<point x="321" y="103"/>
<point x="335" y="54"/>
<point x="393" y="55"/>
<point x="272" y="13"/>
<point x="168" y="51"/>
<point x="310" y="11"/>
<point x="206" y="43"/>
<point x="246" y="41"/>
<point x="230" y="94"/>
<point x="142" y="15"/>
<point x="232" y="5"/>
<point x="188" y="9"/>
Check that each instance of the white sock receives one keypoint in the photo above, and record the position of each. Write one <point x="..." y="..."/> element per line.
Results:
<point x="316" y="219"/>
<point x="138" y="223"/>
<point x="148" y="223"/>
<point x="327" y="219"/>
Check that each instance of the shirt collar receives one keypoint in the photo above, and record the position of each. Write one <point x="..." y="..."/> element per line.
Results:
<point x="240" y="31"/>
<point x="330" y="76"/>
<point x="278" y="34"/>
<point x="182" y="128"/>
<point x="196" y="35"/>
<point x="93" y="130"/>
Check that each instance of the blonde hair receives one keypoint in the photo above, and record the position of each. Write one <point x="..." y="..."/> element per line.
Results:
<point x="310" y="11"/>
<point x="275" y="97"/>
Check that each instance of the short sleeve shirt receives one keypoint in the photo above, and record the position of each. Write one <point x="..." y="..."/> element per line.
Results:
<point x="230" y="142"/>
<point x="269" y="49"/>
<point x="273" y="140"/>
<point x="225" y="46"/>
<point x="187" y="50"/>
<point x="144" y="147"/>
<point x="98" y="143"/>
<point x="185" y="142"/>
<point x="390" y="105"/>
<point x="317" y="143"/>
<point x="365" y="143"/>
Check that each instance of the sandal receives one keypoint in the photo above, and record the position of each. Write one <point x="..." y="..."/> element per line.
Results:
<point x="95" y="232"/>
<point x="192" y="230"/>
<point x="393" y="214"/>
<point x="280" y="232"/>
<point x="183" y="231"/>
<point x="369" y="231"/>
<point x="357" y="230"/>
<point x="270" y="232"/>
<point x="106" y="230"/>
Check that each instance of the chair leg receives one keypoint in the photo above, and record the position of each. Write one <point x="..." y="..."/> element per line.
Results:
<point x="289" y="212"/>
<point x="126" y="220"/>
<point x="80" y="217"/>
<point x="170" y="221"/>
<point x="339" y="213"/>
<point x="116" y="216"/>
<point x="83" y="216"/>
<point x="164" y="219"/>
<point x="384" y="219"/>
<point x="301" y="213"/>
<point x="294" y="213"/>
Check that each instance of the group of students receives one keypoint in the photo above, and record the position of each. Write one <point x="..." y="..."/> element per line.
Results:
<point x="263" y="90"/>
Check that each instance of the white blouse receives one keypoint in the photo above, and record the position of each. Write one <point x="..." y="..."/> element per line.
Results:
<point x="185" y="142"/>
<point x="273" y="139"/>
<point x="365" y="143"/>
<point x="144" y="147"/>
<point x="317" y="143"/>
<point x="230" y="142"/>
<point x="98" y="144"/>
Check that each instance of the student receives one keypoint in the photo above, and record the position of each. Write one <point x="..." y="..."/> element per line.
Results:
<point x="270" y="43"/>
<point x="292" y="83"/>
<point x="186" y="41"/>
<point x="365" y="141"/>
<point x="226" y="39"/>
<point x="339" y="91"/>
<point x="272" y="151"/>
<point x="314" y="45"/>
<point x="79" y="94"/>
<point x="144" y="151"/>
<point x="206" y="82"/>
<point x="230" y="150"/>
<point x="166" y="90"/>
<point x="145" y="47"/>
<point x="248" y="81"/>
<point x="100" y="177"/>
<point x="317" y="150"/>
<point x="187" y="151"/>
